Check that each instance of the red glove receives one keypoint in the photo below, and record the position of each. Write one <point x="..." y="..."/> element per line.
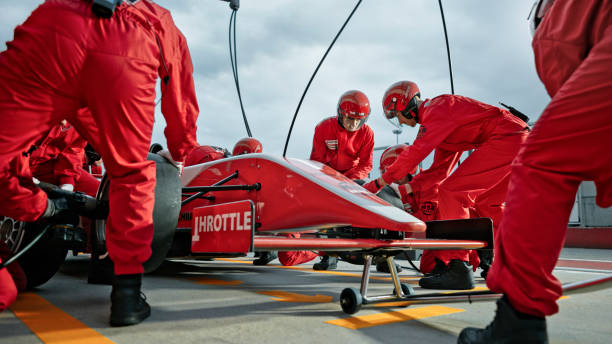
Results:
<point x="373" y="186"/>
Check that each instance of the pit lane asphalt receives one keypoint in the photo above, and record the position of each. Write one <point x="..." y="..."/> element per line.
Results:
<point x="232" y="301"/>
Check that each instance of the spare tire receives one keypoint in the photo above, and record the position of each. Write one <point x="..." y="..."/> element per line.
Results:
<point x="165" y="213"/>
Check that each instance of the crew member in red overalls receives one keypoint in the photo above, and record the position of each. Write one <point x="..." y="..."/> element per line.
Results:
<point x="345" y="143"/>
<point x="12" y="279"/>
<point x="569" y="143"/>
<point x="422" y="204"/>
<point x="393" y="194"/>
<point x="58" y="158"/>
<point x="64" y="58"/>
<point x="452" y="124"/>
<point x="96" y="169"/>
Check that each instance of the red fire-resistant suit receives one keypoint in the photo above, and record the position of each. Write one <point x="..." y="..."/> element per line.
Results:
<point x="453" y="124"/>
<point x="8" y="290"/>
<point x="12" y="279"/>
<point x="349" y="153"/>
<point x="202" y="154"/>
<point x="58" y="159"/>
<point x="64" y="58"/>
<point x="423" y="204"/>
<point x="290" y="258"/>
<point x="96" y="168"/>
<point x="569" y="143"/>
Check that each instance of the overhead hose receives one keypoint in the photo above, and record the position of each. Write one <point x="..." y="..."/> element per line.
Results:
<point x="315" y="73"/>
<point x="450" y="68"/>
<point x="234" y="62"/>
<point x="25" y="249"/>
<point x="412" y="264"/>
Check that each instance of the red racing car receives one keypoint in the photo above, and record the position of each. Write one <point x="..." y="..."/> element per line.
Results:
<point x="233" y="206"/>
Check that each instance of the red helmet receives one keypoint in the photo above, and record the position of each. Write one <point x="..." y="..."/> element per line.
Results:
<point x="536" y="15"/>
<point x="389" y="156"/>
<point x="247" y="145"/>
<point x="401" y="98"/>
<point x="202" y="154"/>
<point x="353" y="104"/>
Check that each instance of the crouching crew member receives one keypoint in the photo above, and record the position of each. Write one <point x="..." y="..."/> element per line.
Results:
<point x="58" y="159"/>
<point x="422" y="204"/>
<point x="452" y="124"/>
<point x="393" y="194"/>
<point x="345" y="143"/>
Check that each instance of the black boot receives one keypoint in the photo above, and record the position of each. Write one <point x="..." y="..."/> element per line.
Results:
<point x="485" y="270"/>
<point x="101" y="271"/>
<point x="508" y="326"/>
<point x="486" y="259"/>
<point x="384" y="267"/>
<point x="458" y="276"/>
<point x="128" y="303"/>
<point x="265" y="258"/>
<point x="438" y="269"/>
<point x="327" y="263"/>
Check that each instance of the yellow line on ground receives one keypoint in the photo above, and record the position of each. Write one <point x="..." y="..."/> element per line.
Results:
<point x="461" y="291"/>
<point x="378" y="319"/>
<point x="52" y="325"/>
<point x="407" y="303"/>
<point x="212" y="281"/>
<point x="337" y="273"/>
<point x="236" y="260"/>
<point x="284" y="296"/>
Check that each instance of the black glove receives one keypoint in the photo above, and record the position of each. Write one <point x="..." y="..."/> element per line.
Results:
<point x="92" y="155"/>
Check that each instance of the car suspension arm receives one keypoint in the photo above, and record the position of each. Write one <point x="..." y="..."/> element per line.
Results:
<point x="201" y="190"/>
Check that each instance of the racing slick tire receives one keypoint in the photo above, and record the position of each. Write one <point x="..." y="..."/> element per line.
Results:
<point x="165" y="213"/>
<point x="42" y="260"/>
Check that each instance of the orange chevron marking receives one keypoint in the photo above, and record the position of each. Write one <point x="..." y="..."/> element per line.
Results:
<point x="52" y="325"/>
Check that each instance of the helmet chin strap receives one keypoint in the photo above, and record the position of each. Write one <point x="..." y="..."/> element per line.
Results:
<point x="340" y="120"/>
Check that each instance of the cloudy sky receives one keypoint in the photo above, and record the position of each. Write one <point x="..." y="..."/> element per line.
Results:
<point x="280" y="43"/>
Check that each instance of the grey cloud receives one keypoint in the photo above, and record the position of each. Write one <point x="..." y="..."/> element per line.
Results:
<point x="281" y="41"/>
